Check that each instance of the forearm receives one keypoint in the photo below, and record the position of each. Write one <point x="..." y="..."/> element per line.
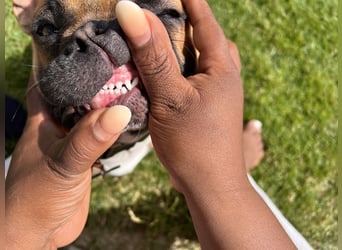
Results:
<point x="225" y="218"/>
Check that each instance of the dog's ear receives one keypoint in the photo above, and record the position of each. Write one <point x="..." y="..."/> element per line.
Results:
<point x="190" y="52"/>
<point x="23" y="11"/>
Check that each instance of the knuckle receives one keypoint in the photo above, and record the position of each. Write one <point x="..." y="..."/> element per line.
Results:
<point x="232" y="46"/>
<point x="72" y="159"/>
<point x="56" y="168"/>
<point x="172" y="104"/>
<point x="175" y="104"/>
<point x="158" y="64"/>
<point x="78" y="152"/>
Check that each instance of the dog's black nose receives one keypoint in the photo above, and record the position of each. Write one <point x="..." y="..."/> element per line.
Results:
<point x="105" y="35"/>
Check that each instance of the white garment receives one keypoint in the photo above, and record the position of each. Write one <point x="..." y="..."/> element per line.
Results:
<point x="7" y="164"/>
<point x="127" y="160"/>
<point x="296" y="237"/>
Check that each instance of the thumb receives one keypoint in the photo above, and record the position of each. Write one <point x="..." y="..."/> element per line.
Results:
<point x="152" y="52"/>
<point x="89" y="139"/>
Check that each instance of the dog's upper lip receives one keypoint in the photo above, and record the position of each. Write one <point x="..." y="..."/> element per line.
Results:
<point x="108" y="58"/>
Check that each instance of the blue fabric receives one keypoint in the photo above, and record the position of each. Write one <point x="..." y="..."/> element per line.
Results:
<point x="15" y="118"/>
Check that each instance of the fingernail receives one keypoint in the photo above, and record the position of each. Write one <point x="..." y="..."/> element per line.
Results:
<point x="257" y="124"/>
<point x="112" y="122"/>
<point x="133" y="21"/>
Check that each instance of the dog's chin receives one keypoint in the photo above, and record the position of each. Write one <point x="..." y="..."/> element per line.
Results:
<point x="123" y="88"/>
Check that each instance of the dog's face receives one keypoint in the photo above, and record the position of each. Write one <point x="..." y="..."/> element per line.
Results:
<point x="82" y="61"/>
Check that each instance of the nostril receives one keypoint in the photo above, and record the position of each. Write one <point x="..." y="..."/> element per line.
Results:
<point x="98" y="32"/>
<point x="82" y="45"/>
<point x="100" y="27"/>
<point x="67" y="52"/>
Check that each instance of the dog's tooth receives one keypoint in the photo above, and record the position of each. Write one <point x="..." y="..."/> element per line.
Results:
<point x="135" y="82"/>
<point x="124" y="91"/>
<point x="118" y="85"/>
<point x="87" y="106"/>
<point x="117" y="91"/>
<point x="111" y="91"/>
<point x="102" y="91"/>
<point x="128" y="84"/>
<point x="111" y="86"/>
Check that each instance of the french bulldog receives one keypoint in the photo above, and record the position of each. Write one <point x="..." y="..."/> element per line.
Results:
<point x="81" y="60"/>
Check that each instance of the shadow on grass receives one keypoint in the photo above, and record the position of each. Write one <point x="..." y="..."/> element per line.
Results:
<point x="157" y="222"/>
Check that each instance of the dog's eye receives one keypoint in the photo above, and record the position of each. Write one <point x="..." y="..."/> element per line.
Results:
<point x="46" y="29"/>
<point x="172" y="13"/>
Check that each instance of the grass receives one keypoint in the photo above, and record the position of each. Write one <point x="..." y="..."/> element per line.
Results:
<point x="289" y="57"/>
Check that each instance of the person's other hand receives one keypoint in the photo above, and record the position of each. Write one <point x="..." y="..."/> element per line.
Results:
<point x="48" y="184"/>
<point x="196" y="129"/>
<point x="194" y="121"/>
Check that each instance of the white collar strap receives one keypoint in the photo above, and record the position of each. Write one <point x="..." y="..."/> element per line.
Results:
<point x="125" y="161"/>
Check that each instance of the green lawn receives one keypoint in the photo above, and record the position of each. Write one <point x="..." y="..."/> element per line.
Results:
<point x="289" y="58"/>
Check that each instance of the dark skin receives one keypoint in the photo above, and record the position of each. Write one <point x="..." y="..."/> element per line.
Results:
<point x="58" y="176"/>
<point x="47" y="192"/>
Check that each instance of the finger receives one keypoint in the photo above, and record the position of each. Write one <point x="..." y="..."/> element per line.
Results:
<point x="134" y="23"/>
<point x="208" y="37"/>
<point x="23" y="10"/>
<point x="36" y="107"/>
<point x="152" y="51"/>
<point x="89" y="139"/>
<point x="234" y="52"/>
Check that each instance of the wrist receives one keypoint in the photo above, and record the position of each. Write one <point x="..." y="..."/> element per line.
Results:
<point x="223" y="187"/>
<point x="205" y="177"/>
<point x="23" y="235"/>
<point x="234" y="216"/>
<point x="22" y="227"/>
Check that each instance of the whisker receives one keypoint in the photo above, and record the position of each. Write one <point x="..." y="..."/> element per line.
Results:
<point x="29" y="89"/>
<point x="29" y="66"/>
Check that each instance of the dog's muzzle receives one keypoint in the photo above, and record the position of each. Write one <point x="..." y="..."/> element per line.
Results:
<point x="94" y="70"/>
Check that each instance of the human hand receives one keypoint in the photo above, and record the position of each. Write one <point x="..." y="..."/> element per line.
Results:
<point x="195" y="122"/>
<point x="196" y="129"/>
<point x="48" y="184"/>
